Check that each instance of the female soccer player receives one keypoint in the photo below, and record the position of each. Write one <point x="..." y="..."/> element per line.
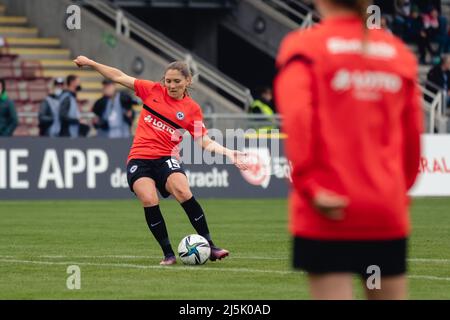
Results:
<point x="351" y="110"/>
<point x="153" y="160"/>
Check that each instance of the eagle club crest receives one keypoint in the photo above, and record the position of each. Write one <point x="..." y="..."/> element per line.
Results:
<point x="180" y="115"/>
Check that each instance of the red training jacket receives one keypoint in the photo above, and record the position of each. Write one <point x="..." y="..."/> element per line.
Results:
<point x="352" y="111"/>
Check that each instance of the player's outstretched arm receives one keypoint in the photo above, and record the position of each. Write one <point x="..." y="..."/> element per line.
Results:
<point x="108" y="72"/>
<point x="237" y="157"/>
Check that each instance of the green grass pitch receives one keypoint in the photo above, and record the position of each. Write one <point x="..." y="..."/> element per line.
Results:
<point x="118" y="257"/>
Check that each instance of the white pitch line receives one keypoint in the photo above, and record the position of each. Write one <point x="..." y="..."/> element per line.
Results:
<point x="234" y="257"/>
<point x="413" y="276"/>
<point x="137" y="266"/>
<point x="144" y="257"/>
<point x="429" y="260"/>
<point x="425" y="260"/>
<point x="181" y="268"/>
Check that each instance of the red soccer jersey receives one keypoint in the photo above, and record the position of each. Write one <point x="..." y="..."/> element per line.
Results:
<point x="162" y="119"/>
<point x="353" y="121"/>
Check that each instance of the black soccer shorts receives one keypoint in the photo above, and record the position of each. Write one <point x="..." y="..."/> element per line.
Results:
<point x="329" y="256"/>
<point x="157" y="169"/>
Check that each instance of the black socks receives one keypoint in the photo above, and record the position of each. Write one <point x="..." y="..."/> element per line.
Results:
<point x="197" y="218"/>
<point x="157" y="226"/>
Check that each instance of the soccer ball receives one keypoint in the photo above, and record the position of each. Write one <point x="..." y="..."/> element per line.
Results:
<point x="194" y="249"/>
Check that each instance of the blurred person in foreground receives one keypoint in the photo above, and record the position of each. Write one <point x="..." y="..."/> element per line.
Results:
<point x="8" y="115"/>
<point x="351" y="109"/>
<point x="114" y="112"/>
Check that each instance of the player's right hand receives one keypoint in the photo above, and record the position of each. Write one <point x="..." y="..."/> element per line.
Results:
<point x="82" y="61"/>
<point x="239" y="159"/>
<point x="330" y="204"/>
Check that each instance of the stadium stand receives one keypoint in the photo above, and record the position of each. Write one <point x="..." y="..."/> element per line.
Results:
<point x="29" y="62"/>
<point x="304" y="15"/>
<point x="214" y="90"/>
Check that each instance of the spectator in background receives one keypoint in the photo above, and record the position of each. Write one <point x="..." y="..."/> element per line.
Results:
<point x="49" y="122"/>
<point x="435" y="26"/>
<point x="431" y="21"/>
<point x="439" y="76"/>
<point x="412" y="26"/>
<point x="403" y="8"/>
<point x="263" y="105"/>
<point x="114" y="112"/>
<point x="8" y="115"/>
<point x="415" y="32"/>
<point x="402" y="13"/>
<point x="69" y="113"/>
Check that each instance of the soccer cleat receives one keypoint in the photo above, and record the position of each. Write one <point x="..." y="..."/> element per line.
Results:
<point x="168" y="260"/>
<point x="218" y="253"/>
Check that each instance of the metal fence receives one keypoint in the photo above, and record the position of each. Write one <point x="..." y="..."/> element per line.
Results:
<point x="435" y="108"/>
<point x="207" y="74"/>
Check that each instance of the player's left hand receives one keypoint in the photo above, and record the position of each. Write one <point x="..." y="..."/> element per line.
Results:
<point x="239" y="159"/>
<point x="330" y="204"/>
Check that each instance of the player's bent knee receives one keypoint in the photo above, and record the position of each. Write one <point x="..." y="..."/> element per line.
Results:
<point x="147" y="204"/>
<point x="149" y="201"/>
<point x="182" y="194"/>
<point x="178" y="186"/>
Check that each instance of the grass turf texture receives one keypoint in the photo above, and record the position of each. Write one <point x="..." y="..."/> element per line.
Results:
<point x="118" y="257"/>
